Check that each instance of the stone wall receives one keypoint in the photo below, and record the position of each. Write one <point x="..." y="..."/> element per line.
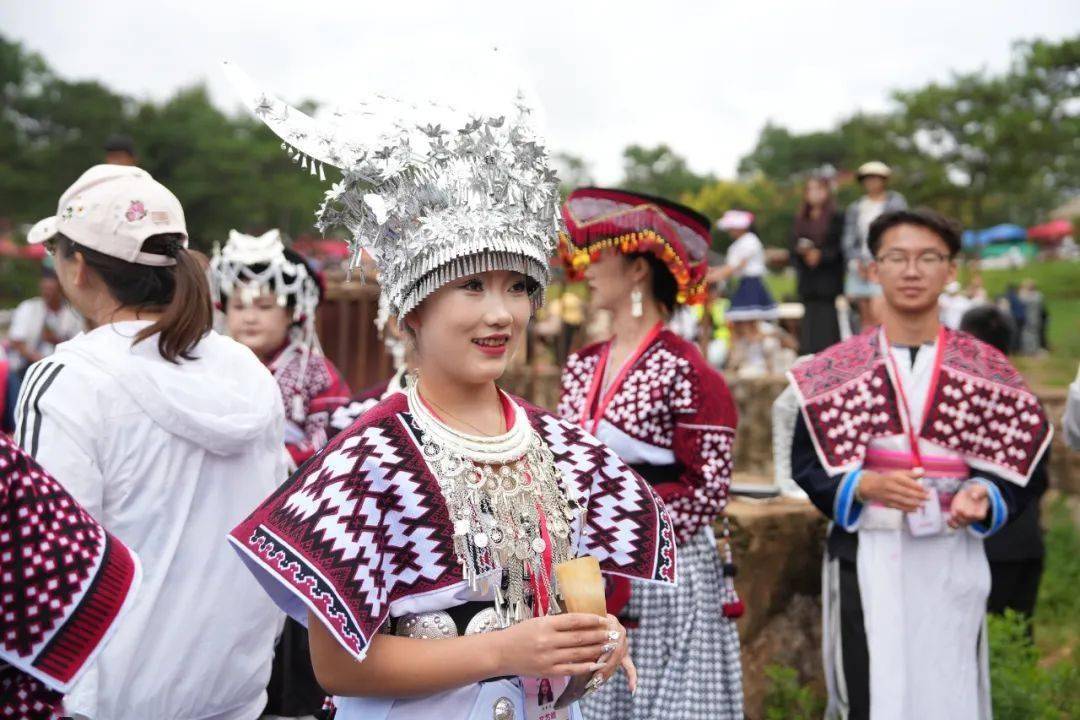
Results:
<point x="778" y="546"/>
<point x="753" y="437"/>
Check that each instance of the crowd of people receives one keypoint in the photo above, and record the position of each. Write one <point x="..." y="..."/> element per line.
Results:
<point x="745" y="332"/>
<point x="414" y="550"/>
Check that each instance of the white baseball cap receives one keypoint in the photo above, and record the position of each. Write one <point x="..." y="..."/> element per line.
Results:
<point x="113" y="209"/>
<point x="42" y="231"/>
<point x="735" y="220"/>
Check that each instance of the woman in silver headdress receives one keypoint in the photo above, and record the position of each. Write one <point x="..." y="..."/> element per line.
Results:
<point x="420" y="544"/>
<point x="269" y="294"/>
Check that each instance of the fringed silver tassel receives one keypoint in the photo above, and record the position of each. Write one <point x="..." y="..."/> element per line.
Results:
<point x="447" y="271"/>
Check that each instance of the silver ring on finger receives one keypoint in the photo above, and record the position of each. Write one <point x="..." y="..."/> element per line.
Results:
<point x="613" y="635"/>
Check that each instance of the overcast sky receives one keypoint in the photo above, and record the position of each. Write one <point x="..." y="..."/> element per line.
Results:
<point x="701" y="76"/>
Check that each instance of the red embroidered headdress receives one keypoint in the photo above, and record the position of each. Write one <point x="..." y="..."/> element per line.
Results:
<point x="597" y="218"/>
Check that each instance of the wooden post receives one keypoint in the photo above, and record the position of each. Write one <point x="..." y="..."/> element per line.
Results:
<point x="346" y="325"/>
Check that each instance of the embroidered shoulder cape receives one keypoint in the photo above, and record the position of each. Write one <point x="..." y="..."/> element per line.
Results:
<point x="363" y="525"/>
<point x="64" y="582"/>
<point x="671" y="407"/>
<point x="980" y="407"/>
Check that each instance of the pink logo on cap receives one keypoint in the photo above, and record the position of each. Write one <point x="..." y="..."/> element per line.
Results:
<point x="135" y="212"/>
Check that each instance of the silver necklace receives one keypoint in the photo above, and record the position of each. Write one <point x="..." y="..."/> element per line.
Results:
<point x="459" y="419"/>
<point x="498" y="490"/>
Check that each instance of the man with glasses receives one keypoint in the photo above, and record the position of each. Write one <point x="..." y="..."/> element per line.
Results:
<point x="917" y="442"/>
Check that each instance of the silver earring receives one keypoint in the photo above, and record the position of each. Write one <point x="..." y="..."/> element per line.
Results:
<point x="637" y="309"/>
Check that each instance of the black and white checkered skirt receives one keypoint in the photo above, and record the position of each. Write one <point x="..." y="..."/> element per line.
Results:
<point x="685" y="650"/>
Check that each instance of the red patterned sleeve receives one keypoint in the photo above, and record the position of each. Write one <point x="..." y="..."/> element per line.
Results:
<point x="704" y="435"/>
<point x="576" y="378"/>
<point x="64" y="583"/>
<point x="330" y="394"/>
<point x="625" y="525"/>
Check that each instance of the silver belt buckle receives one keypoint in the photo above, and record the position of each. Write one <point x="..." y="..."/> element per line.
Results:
<point x="484" y="621"/>
<point x="437" y="624"/>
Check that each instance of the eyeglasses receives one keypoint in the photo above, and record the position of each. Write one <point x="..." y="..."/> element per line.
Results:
<point x="924" y="262"/>
<point x="50" y="246"/>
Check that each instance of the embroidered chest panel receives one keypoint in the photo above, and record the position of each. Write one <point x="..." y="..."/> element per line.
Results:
<point x="845" y="420"/>
<point x="50" y="548"/>
<point x="63" y="581"/>
<point x="655" y="392"/>
<point x="986" y="421"/>
<point x="980" y="408"/>
<point x="300" y="385"/>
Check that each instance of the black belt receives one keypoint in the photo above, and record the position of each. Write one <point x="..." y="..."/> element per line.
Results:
<point x="461" y="615"/>
<point x="659" y="474"/>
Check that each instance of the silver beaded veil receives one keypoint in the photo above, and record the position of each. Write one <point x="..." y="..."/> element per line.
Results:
<point x="254" y="265"/>
<point x="432" y="194"/>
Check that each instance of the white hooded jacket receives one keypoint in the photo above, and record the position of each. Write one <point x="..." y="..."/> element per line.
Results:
<point x="168" y="457"/>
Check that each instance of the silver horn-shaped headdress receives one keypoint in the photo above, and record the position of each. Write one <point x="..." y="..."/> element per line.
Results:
<point x="431" y="194"/>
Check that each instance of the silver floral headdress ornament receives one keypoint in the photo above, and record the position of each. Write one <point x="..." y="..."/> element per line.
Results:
<point x="431" y="194"/>
<point x="253" y="266"/>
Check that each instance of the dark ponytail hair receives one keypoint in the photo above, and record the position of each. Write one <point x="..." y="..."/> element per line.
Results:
<point x="180" y="292"/>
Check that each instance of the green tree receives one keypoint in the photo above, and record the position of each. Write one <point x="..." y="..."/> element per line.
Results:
<point x="774" y="205"/>
<point x="574" y="172"/>
<point x="781" y="154"/>
<point x="985" y="148"/>
<point x="50" y="131"/>
<point x="659" y="171"/>
<point x="228" y="172"/>
<point x="785" y="156"/>
<point x="999" y="148"/>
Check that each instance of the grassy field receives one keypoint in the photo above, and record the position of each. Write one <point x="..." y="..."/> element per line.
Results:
<point x="1057" y="617"/>
<point x="1060" y="284"/>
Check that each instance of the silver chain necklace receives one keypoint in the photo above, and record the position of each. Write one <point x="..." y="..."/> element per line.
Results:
<point x="496" y="490"/>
